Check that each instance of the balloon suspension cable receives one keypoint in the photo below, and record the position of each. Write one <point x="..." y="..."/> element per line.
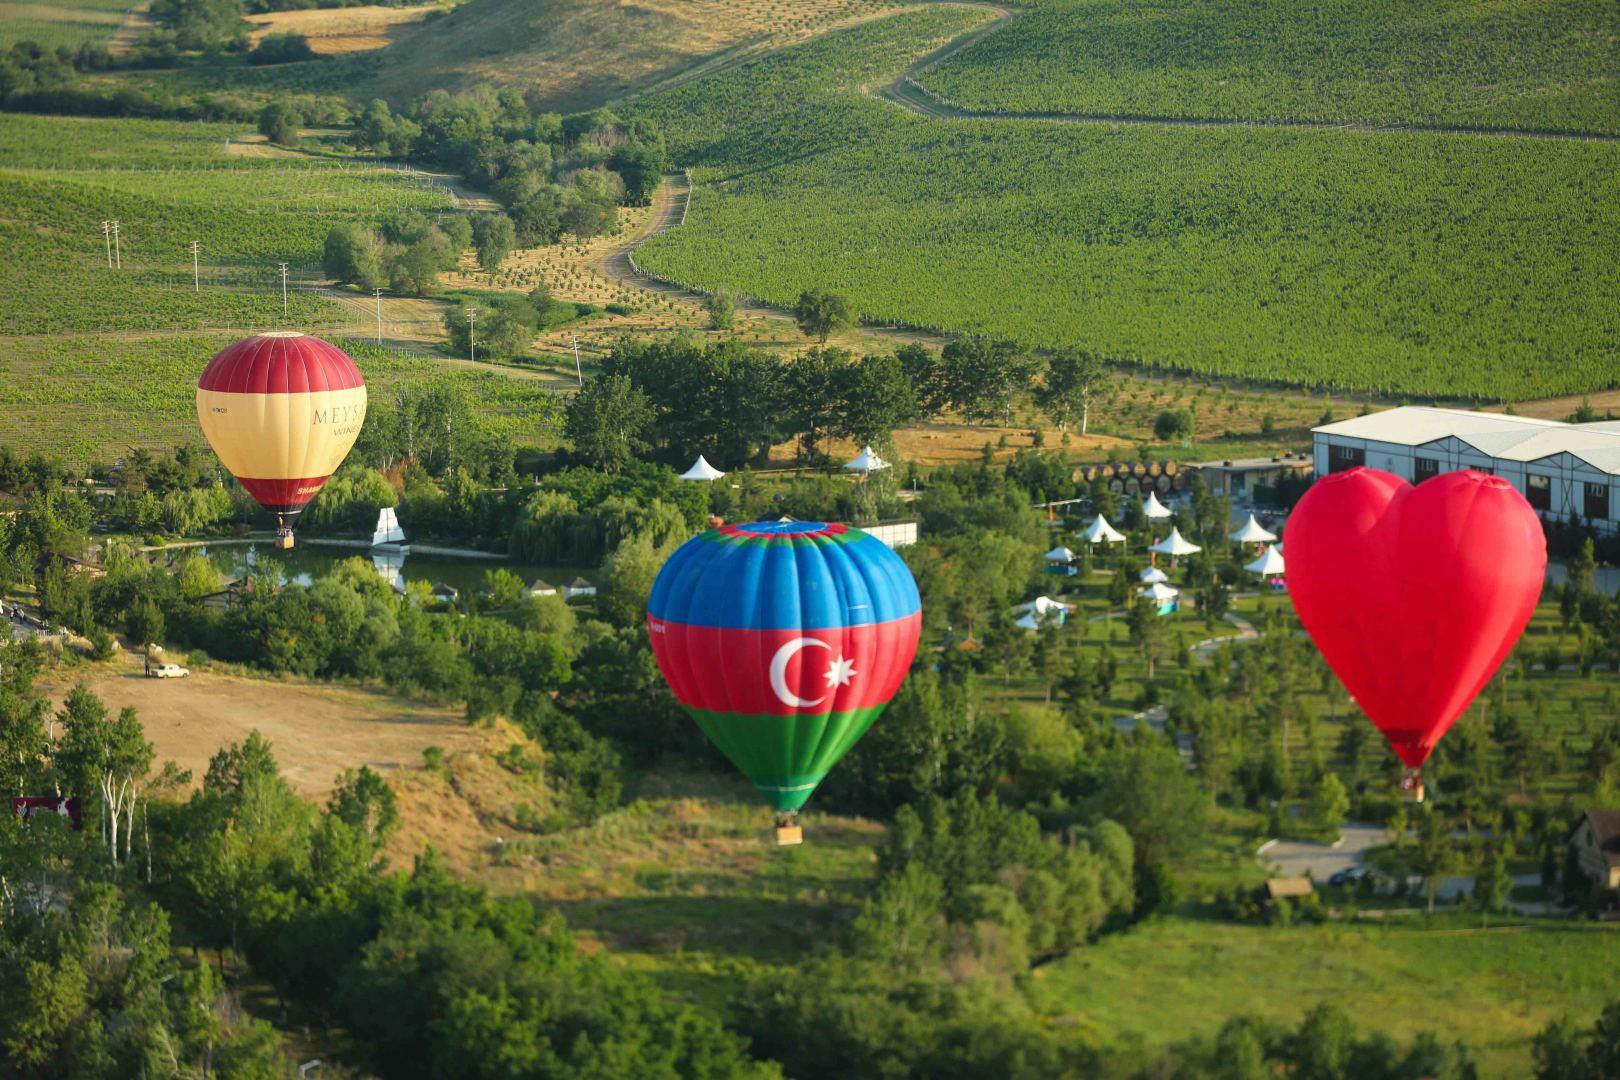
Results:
<point x="1412" y="789"/>
<point x="788" y="830"/>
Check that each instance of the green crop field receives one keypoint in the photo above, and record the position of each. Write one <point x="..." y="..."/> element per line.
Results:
<point x="85" y="397"/>
<point x="1543" y="65"/>
<point x="53" y="24"/>
<point x="168" y="183"/>
<point x="1494" y="989"/>
<point x="1395" y="263"/>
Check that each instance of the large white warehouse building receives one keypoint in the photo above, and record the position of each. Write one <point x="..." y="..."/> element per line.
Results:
<point x="1563" y="470"/>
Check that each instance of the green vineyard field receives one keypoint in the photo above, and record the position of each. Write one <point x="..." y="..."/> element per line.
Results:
<point x="1393" y="263"/>
<point x="54" y="24"/>
<point x="168" y="183"/>
<point x="1543" y="65"/>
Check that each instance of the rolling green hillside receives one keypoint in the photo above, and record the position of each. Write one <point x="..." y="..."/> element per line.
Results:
<point x="1401" y="263"/>
<point x="53" y="24"/>
<point x="1544" y="66"/>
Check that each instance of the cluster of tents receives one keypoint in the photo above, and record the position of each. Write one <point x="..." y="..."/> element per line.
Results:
<point x="1155" y="582"/>
<point x="865" y="463"/>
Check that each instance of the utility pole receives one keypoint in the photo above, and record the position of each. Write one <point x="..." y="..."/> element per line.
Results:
<point x="472" y="346"/>
<point x="579" y="373"/>
<point x="106" y="234"/>
<point x="118" y="256"/>
<point x="283" y="289"/>
<point x="196" y="278"/>
<point x="378" y="294"/>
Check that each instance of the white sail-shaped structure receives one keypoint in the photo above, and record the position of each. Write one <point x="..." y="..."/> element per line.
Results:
<point x="388" y="533"/>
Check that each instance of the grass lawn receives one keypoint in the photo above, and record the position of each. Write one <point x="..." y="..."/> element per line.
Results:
<point x="1494" y="989"/>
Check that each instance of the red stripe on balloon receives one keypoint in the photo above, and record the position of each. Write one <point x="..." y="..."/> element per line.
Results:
<point x="291" y="492"/>
<point x="784" y="672"/>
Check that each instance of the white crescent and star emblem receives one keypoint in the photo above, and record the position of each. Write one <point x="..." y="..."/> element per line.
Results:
<point x="839" y="673"/>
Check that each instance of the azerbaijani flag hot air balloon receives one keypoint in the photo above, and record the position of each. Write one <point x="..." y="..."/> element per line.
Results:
<point x="784" y="640"/>
<point x="281" y="410"/>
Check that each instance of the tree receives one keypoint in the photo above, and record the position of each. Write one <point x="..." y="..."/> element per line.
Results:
<point x="1557" y="1053"/>
<point x="1145" y="786"/>
<point x="111" y="757"/>
<point x="1492" y="882"/>
<point x="1434" y="856"/>
<point x="281" y="49"/>
<point x="1147" y="632"/>
<point x="819" y="313"/>
<point x="1329" y="804"/>
<point x="628" y="579"/>
<point x="279" y="122"/>
<point x="877" y="398"/>
<point x="1072" y="378"/>
<point x="1174" y="425"/>
<point x="493" y="238"/>
<point x="984" y="378"/>
<point x="606" y="420"/>
<point x="722" y="310"/>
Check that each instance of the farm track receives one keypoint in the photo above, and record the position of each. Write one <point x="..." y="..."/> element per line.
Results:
<point x="907" y="93"/>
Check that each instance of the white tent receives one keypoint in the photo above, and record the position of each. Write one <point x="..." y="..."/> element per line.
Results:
<point x="866" y="461"/>
<point x="1175" y="544"/>
<point x="1153" y="509"/>
<point x="1102" y="532"/>
<point x="1160" y="593"/>
<point x="1060" y="554"/>
<point x="1152" y="576"/>
<point x="702" y="470"/>
<point x="1041" y="611"/>
<point x="1253" y="533"/>
<point x="1269" y="564"/>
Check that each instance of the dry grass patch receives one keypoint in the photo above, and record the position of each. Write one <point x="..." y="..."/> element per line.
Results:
<point x="334" y="31"/>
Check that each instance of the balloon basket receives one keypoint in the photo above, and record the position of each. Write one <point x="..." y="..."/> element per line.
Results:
<point x="788" y="832"/>
<point x="284" y="540"/>
<point x="1412" y="790"/>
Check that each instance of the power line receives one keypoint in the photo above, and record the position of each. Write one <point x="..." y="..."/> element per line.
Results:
<point x="196" y="278"/>
<point x="472" y="346"/>
<point x="106" y="234"/>
<point x="378" y="294"/>
<point x="118" y="256"/>
<point x="283" y="289"/>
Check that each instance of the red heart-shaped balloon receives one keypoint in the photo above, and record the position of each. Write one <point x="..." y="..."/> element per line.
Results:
<point x="1415" y="595"/>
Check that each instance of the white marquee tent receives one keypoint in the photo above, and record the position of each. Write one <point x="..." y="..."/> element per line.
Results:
<point x="1060" y="555"/>
<point x="866" y="461"/>
<point x="1100" y="532"/>
<point x="1269" y="564"/>
<point x="702" y="470"/>
<point x="1253" y="532"/>
<point x="1175" y="544"/>
<point x="1160" y="593"/>
<point x="1153" y="509"/>
<point x="1153" y="576"/>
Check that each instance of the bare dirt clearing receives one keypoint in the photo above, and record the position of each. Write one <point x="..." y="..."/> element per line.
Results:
<point x="316" y="731"/>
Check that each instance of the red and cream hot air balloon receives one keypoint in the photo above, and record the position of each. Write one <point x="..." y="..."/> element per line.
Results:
<point x="281" y="410"/>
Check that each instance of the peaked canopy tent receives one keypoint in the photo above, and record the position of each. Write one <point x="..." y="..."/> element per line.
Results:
<point x="1269" y="564"/>
<point x="1175" y="544"/>
<point x="1159" y="592"/>
<point x="1253" y="532"/>
<point x="1153" y="576"/>
<point x="866" y="461"/>
<point x="1153" y="509"/>
<point x="1100" y="532"/>
<point x="702" y="470"/>
<point x="1059" y="554"/>
<point x="1041" y="610"/>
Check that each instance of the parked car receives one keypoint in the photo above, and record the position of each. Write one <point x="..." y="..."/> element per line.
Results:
<point x="167" y="671"/>
<point x="1348" y="876"/>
